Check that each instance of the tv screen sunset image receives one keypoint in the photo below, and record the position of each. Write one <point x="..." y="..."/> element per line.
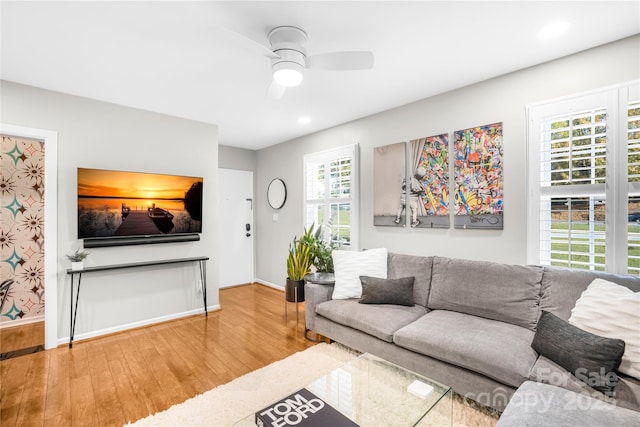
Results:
<point x="118" y="203"/>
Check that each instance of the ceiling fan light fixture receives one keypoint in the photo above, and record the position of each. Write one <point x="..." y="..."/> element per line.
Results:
<point x="288" y="74"/>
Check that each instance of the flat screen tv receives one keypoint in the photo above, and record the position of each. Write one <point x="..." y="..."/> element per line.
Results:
<point x="132" y="204"/>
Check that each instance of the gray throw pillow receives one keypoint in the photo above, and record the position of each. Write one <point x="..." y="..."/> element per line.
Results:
<point x="387" y="291"/>
<point x="591" y="358"/>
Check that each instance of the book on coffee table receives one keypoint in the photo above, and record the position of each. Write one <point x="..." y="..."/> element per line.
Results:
<point x="301" y="409"/>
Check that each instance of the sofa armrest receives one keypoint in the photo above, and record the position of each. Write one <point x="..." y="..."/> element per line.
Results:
<point x="538" y="404"/>
<point x="314" y="294"/>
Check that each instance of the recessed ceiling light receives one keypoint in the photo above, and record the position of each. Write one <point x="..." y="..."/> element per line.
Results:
<point x="553" y="30"/>
<point x="304" y="120"/>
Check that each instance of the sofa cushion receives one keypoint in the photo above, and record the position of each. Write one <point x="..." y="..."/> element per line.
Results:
<point x="612" y="311"/>
<point x="561" y="287"/>
<point x="591" y="358"/>
<point x="400" y="265"/>
<point x="536" y="404"/>
<point x="387" y="291"/>
<point x="626" y="394"/>
<point x="381" y="321"/>
<point x="499" y="350"/>
<point x="350" y="265"/>
<point x="509" y="293"/>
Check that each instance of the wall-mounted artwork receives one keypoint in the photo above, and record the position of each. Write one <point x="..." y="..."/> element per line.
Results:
<point x="121" y="203"/>
<point x="429" y="182"/>
<point x="478" y="177"/>
<point x="389" y="173"/>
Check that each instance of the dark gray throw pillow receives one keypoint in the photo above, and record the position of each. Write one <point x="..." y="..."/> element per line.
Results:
<point x="387" y="291"/>
<point x="591" y="358"/>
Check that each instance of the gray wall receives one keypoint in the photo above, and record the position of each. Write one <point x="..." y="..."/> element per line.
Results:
<point x="100" y="135"/>
<point x="236" y="158"/>
<point x="502" y="99"/>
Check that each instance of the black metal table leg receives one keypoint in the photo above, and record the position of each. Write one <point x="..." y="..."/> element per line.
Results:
<point x="203" y="278"/>
<point x="71" y="315"/>
<point x="74" y="313"/>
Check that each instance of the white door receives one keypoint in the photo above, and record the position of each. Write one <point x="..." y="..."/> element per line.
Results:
<point x="235" y="231"/>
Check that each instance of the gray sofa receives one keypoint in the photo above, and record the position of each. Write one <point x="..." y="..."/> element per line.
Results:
<point x="471" y="327"/>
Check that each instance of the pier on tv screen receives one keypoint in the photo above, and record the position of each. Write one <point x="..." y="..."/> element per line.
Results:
<point x="119" y="203"/>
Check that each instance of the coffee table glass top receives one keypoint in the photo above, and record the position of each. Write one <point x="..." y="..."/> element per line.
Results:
<point x="373" y="392"/>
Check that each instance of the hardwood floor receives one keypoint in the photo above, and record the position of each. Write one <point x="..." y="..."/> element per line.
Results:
<point x="126" y="376"/>
<point x="19" y="337"/>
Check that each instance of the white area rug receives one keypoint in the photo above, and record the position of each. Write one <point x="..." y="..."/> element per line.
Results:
<point x="226" y="404"/>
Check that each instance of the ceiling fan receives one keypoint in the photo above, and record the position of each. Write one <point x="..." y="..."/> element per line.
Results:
<point x="289" y="59"/>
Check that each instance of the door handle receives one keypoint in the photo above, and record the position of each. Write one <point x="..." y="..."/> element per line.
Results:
<point x="248" y="228"/>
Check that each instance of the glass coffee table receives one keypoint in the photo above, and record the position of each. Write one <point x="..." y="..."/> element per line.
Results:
<point x="373" y="392"/>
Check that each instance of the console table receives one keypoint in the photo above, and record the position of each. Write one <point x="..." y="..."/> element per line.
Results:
<point x="80" y="272"/>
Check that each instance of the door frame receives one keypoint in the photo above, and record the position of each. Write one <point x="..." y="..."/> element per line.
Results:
<point x="50" y="140"/>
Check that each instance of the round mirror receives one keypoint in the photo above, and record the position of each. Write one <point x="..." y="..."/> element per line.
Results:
<point x="277" y="193"/>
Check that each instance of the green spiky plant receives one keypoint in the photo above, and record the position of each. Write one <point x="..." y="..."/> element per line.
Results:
<point x="299" y="261"/>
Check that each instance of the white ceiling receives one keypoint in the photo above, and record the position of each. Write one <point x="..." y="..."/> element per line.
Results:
<point x="185" y="58"/>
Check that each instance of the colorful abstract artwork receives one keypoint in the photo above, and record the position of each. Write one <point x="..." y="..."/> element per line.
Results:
<point x="430" y="182"/>
<point x="478" y="177"/>
<point x="389" y="173"/>
<point x="22" y="228"/>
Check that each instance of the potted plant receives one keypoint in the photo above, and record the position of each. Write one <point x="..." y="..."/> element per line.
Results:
<point x="321" y="250"/>
<point x="77" y="259"/>
<point x="299" y="264"/>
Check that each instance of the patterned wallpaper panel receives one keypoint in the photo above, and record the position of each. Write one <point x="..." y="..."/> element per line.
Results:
<point x="22" y="228"/>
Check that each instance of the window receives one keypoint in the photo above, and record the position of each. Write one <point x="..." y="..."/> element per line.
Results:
<point x="584" y="182"/>
<point x="633" y="166"/>
<point x="331" y="194"/>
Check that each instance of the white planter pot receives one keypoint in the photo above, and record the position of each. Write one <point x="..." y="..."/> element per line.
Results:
<point x="78" y="265"/>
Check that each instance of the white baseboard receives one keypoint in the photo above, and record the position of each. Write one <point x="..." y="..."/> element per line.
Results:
<point x="269" y="284"/>
<point x="22" y="322"/>
<point x="146" y="322"/>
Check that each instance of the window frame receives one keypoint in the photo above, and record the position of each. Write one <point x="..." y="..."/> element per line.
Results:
<point x="616" y="191"/>
<point x="326" y="157"/>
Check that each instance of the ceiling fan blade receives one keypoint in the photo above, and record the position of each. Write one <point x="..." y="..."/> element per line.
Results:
<point x="275" y="91"/>
<point x="349" y="60"/>
<point x="246" y="42"/>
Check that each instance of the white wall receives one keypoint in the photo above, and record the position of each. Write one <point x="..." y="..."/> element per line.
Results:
<point x="502" y="99"/>
<point x="100" y="135"/>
